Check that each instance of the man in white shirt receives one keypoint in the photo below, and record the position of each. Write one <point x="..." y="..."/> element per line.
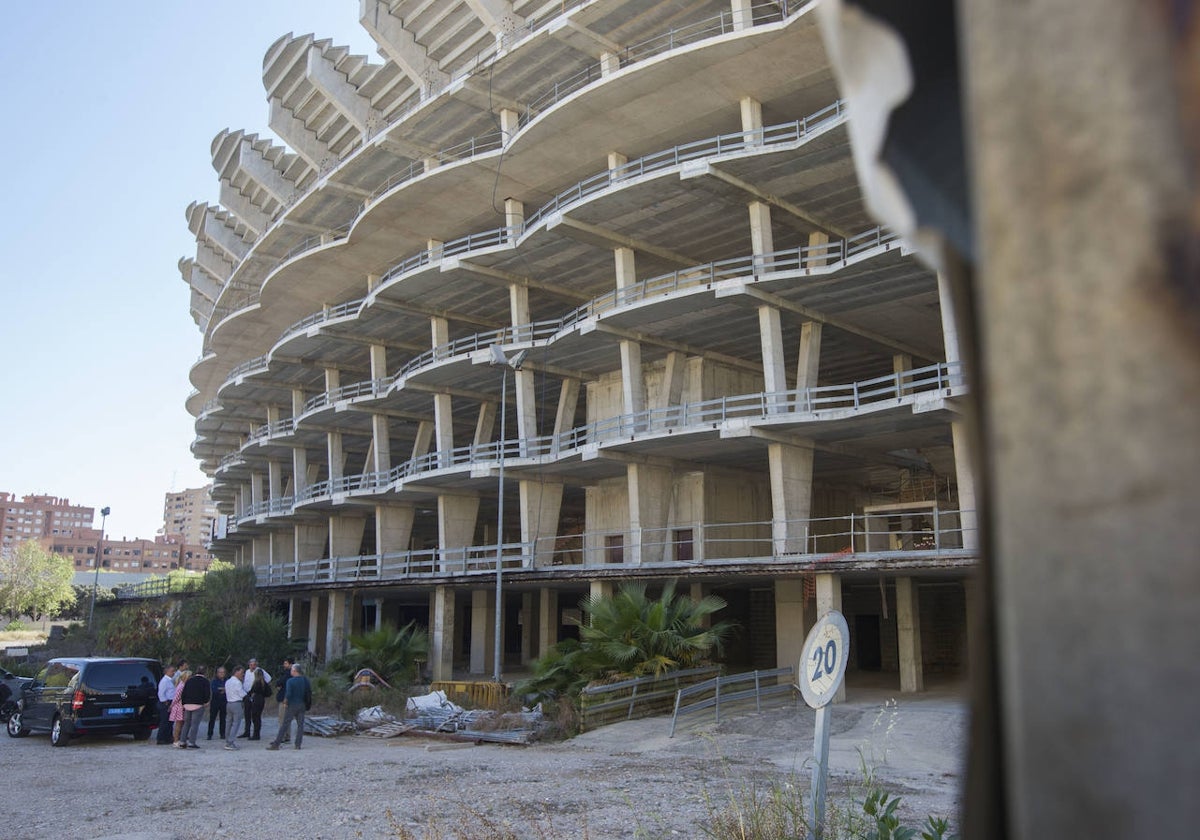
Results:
<point x="235" y="692"/>
<point x="256" y="695"/>
<point x="166" y="693"/>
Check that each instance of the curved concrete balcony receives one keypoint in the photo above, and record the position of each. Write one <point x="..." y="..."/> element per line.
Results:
<point x="832" y="542"/>
<point x="765" y="269"/>
<point x="665" y="163"/>
<point x="915" y="390"/>
<point x="672" y="42"/>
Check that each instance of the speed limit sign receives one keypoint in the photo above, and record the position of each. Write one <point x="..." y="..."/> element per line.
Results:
<point x="823" y="662"/>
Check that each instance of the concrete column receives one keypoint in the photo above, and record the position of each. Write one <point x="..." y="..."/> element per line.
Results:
<point x="901" y="364"/>
<point x="514" y="217"/>
<point x="528" y="627"/>
<point x="335" y="454"/>
<point x="808" y="363"/>
<point x="441" y="633"/>
<point x="483" y="629"/>
<point x="949" y="324"/>
<point x="762" y="239"/>
<point x="568" y="402"/>
<point x="541" y="503"/>
<point x="790" y="467"/>
<point x="295" y="610"/>
<point x="965" y="478"/>
<point x="601" y="588"/>
<point x="829" y="597"/>
<point x="510" y="123"/>
<point x="752" y="120"/>
<point x="283" y="553"/>
<point x="457" y="516"/>
<point x="523" y="380"/>
<point x="908" y="634"/>
<point x="256" y="487"/>
<point x="770" y="335"/>
<point x="274" y="480"/>
<point x="485" y="423"/>
<point x="649" y="509"/>
<point x="260" y="556"/>
<point x="625" y="265"/>
<point x="674" y="369"/>
<point x="337" y="628"/>
<point x="381" y="444"/>
<point x="548" y="620"/>
<point x="315" y="637"/>
<point x="790" y="628"/>
<point x="345" y="535"/>
<point x="443" y="422"/>
<point x="393" y="527"/>
<point x="311" y="541"/>
<point x="633" y="382"/>
<point x="818" y="240"/>
<point x="609" y="63"/>
<point x="299" y="453"/>
<point x="743" y="14"/>
<point x="422" y="439"/>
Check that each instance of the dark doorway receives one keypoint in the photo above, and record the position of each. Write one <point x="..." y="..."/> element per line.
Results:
<point x="866" y="640"/>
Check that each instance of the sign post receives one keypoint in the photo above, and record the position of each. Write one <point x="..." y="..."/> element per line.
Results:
<point x="822" y="670"/>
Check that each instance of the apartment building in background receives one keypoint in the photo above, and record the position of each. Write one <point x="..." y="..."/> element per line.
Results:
<point x="189" y="513"/>
<point x="586" y="290"/>
<point x="35" y="516"/>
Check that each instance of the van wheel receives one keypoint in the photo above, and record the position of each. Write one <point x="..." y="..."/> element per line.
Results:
<point x="14" y="728"/>
<point x="58" y="733"/>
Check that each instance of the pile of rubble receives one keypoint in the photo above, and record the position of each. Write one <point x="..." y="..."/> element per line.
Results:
<point x="435" y="714"/>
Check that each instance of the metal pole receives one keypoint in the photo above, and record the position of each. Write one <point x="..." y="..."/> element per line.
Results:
<point x="816" y="825"/>
<point x="96" y="580"/>
<point x="500" y="529"/>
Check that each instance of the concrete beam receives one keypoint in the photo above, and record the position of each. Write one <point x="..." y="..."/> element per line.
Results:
<point x="342" y="95"/>
<point x="601" y="237"/>
<point x="400" y="45"/>
<point x="497" y="15"/>
<point x="299" y="137"/>
<point x="704" y="169"/>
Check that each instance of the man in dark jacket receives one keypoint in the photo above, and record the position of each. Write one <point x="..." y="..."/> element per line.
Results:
<point x="299" y="698"/>
<point x="196" y="694"/>
<point x="281" y="693"/>
<point x="216" y="706"/>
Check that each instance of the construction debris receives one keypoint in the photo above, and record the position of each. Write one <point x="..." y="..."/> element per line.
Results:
<point x="326" y="726"/>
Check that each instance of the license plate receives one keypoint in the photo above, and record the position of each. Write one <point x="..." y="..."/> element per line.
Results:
<point x="123" y="711"/>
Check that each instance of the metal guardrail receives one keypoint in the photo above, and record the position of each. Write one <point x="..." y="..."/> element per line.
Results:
<point x="639" y="697"/>
<point x="710" y="694"/>
<point x="158" y="587"/>
<point x="674" y="38"/>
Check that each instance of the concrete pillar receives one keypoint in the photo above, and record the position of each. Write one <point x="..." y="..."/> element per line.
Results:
<point x="649" y="508"/>
<point x="808" y="363"/>
<point x="483" y="630"/>
<point x="457" y="516"/>
<point x="274" y="480"/>
<point x="901" y="364"/>
<point x="393" y="528"/>
<point x="260" y="556"/>
<point x="965" y="478"/>
<point x="485" y="423"/>
<point x="752" y="120"/>
<point x="295" y="610"/>
<point x="311" y="541"/>
<point x="510" y="123"/>
<point x="762" y="239"/>
<point x="337" y="629"/>
<point x="790" y="468"/>
<point x="548" y="621"/>
<point x="790" y="626"/>
<point x="541" y="503"/>
<point x="568" y="402"/>
<point x="908" y="634"/>
<point x="819" y="255"/>
<point x="770" y="335"/>
<point x="422" y="439"/>
<point x="601" y="588"/>
<point x="674" y="368"/>
<point x="443" y="423"/>
<point x="829" y="597"/>
<point x="743" y="14"/>
<point x="345" y="535"/>
<point x="441" y="633"/>
<point x="283" y="554"/>
<point x="528" y="627"/>
<point x="336" y="456"/>
<point x="609" y="63"/>
<point x="625" y="266"/>
<point x="633" y="382"/>
<point x="514" y="217"/>
<point x="299" y="453"/>
<point x="256" y="487"/>
<point x="315" y="637"/>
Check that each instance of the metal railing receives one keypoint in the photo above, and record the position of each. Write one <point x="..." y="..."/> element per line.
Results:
<point x="638" y="697"/>
<point x="735" y="688"/>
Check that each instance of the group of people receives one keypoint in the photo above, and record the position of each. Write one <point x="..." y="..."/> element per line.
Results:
<point x="231" y="701"/>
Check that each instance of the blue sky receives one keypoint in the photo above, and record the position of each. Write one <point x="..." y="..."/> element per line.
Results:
<point x="109" y="112"/>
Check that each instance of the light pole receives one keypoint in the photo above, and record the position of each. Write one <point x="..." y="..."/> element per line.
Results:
<point x="99" y="551"/>
<point x="503" y="362"/>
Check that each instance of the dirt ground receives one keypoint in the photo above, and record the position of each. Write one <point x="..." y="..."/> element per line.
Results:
<point x="625" y="780"/>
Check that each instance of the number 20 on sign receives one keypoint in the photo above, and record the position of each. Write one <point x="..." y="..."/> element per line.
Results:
<point x="822" y="669"/>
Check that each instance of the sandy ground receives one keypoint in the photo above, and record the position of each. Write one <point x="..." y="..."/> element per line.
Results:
<point x="625" y="780"/>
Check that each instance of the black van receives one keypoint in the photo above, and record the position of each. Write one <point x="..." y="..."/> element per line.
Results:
<point x="90" y="696"/>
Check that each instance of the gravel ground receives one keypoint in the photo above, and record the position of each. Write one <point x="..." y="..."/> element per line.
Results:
<point x="625" y="780"/>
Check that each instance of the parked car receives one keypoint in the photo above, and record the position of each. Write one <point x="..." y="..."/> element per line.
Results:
<point x="11" y="689"/>
<point x="74" y="696"/>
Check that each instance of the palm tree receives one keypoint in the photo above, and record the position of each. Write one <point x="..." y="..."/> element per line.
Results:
<point x="389" y="652"/>
<point x="639" y="635"/>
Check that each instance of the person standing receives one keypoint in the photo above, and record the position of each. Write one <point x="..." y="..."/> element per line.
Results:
<point x="166" y="693"/>
<point x="256" y="683"/>
<point x="176" y="715"/>
<point x="196" y="694"/>
<point x="216" y="706"/>
<point x="235" y="692"/>
<point x="299" y="699"/>
<point x="281" y="694"/>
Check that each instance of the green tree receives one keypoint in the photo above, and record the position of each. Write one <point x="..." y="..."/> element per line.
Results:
<point x="630" y="634"/>
<point x="35" y="582"/>
<point x="388" y="651"/>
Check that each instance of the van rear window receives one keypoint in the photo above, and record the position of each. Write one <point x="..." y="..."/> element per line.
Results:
<point x="119" y="676"/>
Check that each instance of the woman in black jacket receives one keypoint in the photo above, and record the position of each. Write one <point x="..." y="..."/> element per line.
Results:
<point x="196" y="694"/>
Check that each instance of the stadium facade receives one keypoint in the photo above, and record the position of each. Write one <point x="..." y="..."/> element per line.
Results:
<point x="608" y="257"/>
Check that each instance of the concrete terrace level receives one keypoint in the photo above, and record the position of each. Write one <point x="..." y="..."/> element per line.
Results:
<point x="732" y="376"/>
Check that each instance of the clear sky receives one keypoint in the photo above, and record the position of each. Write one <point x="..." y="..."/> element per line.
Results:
<point x="109" y="109"/>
